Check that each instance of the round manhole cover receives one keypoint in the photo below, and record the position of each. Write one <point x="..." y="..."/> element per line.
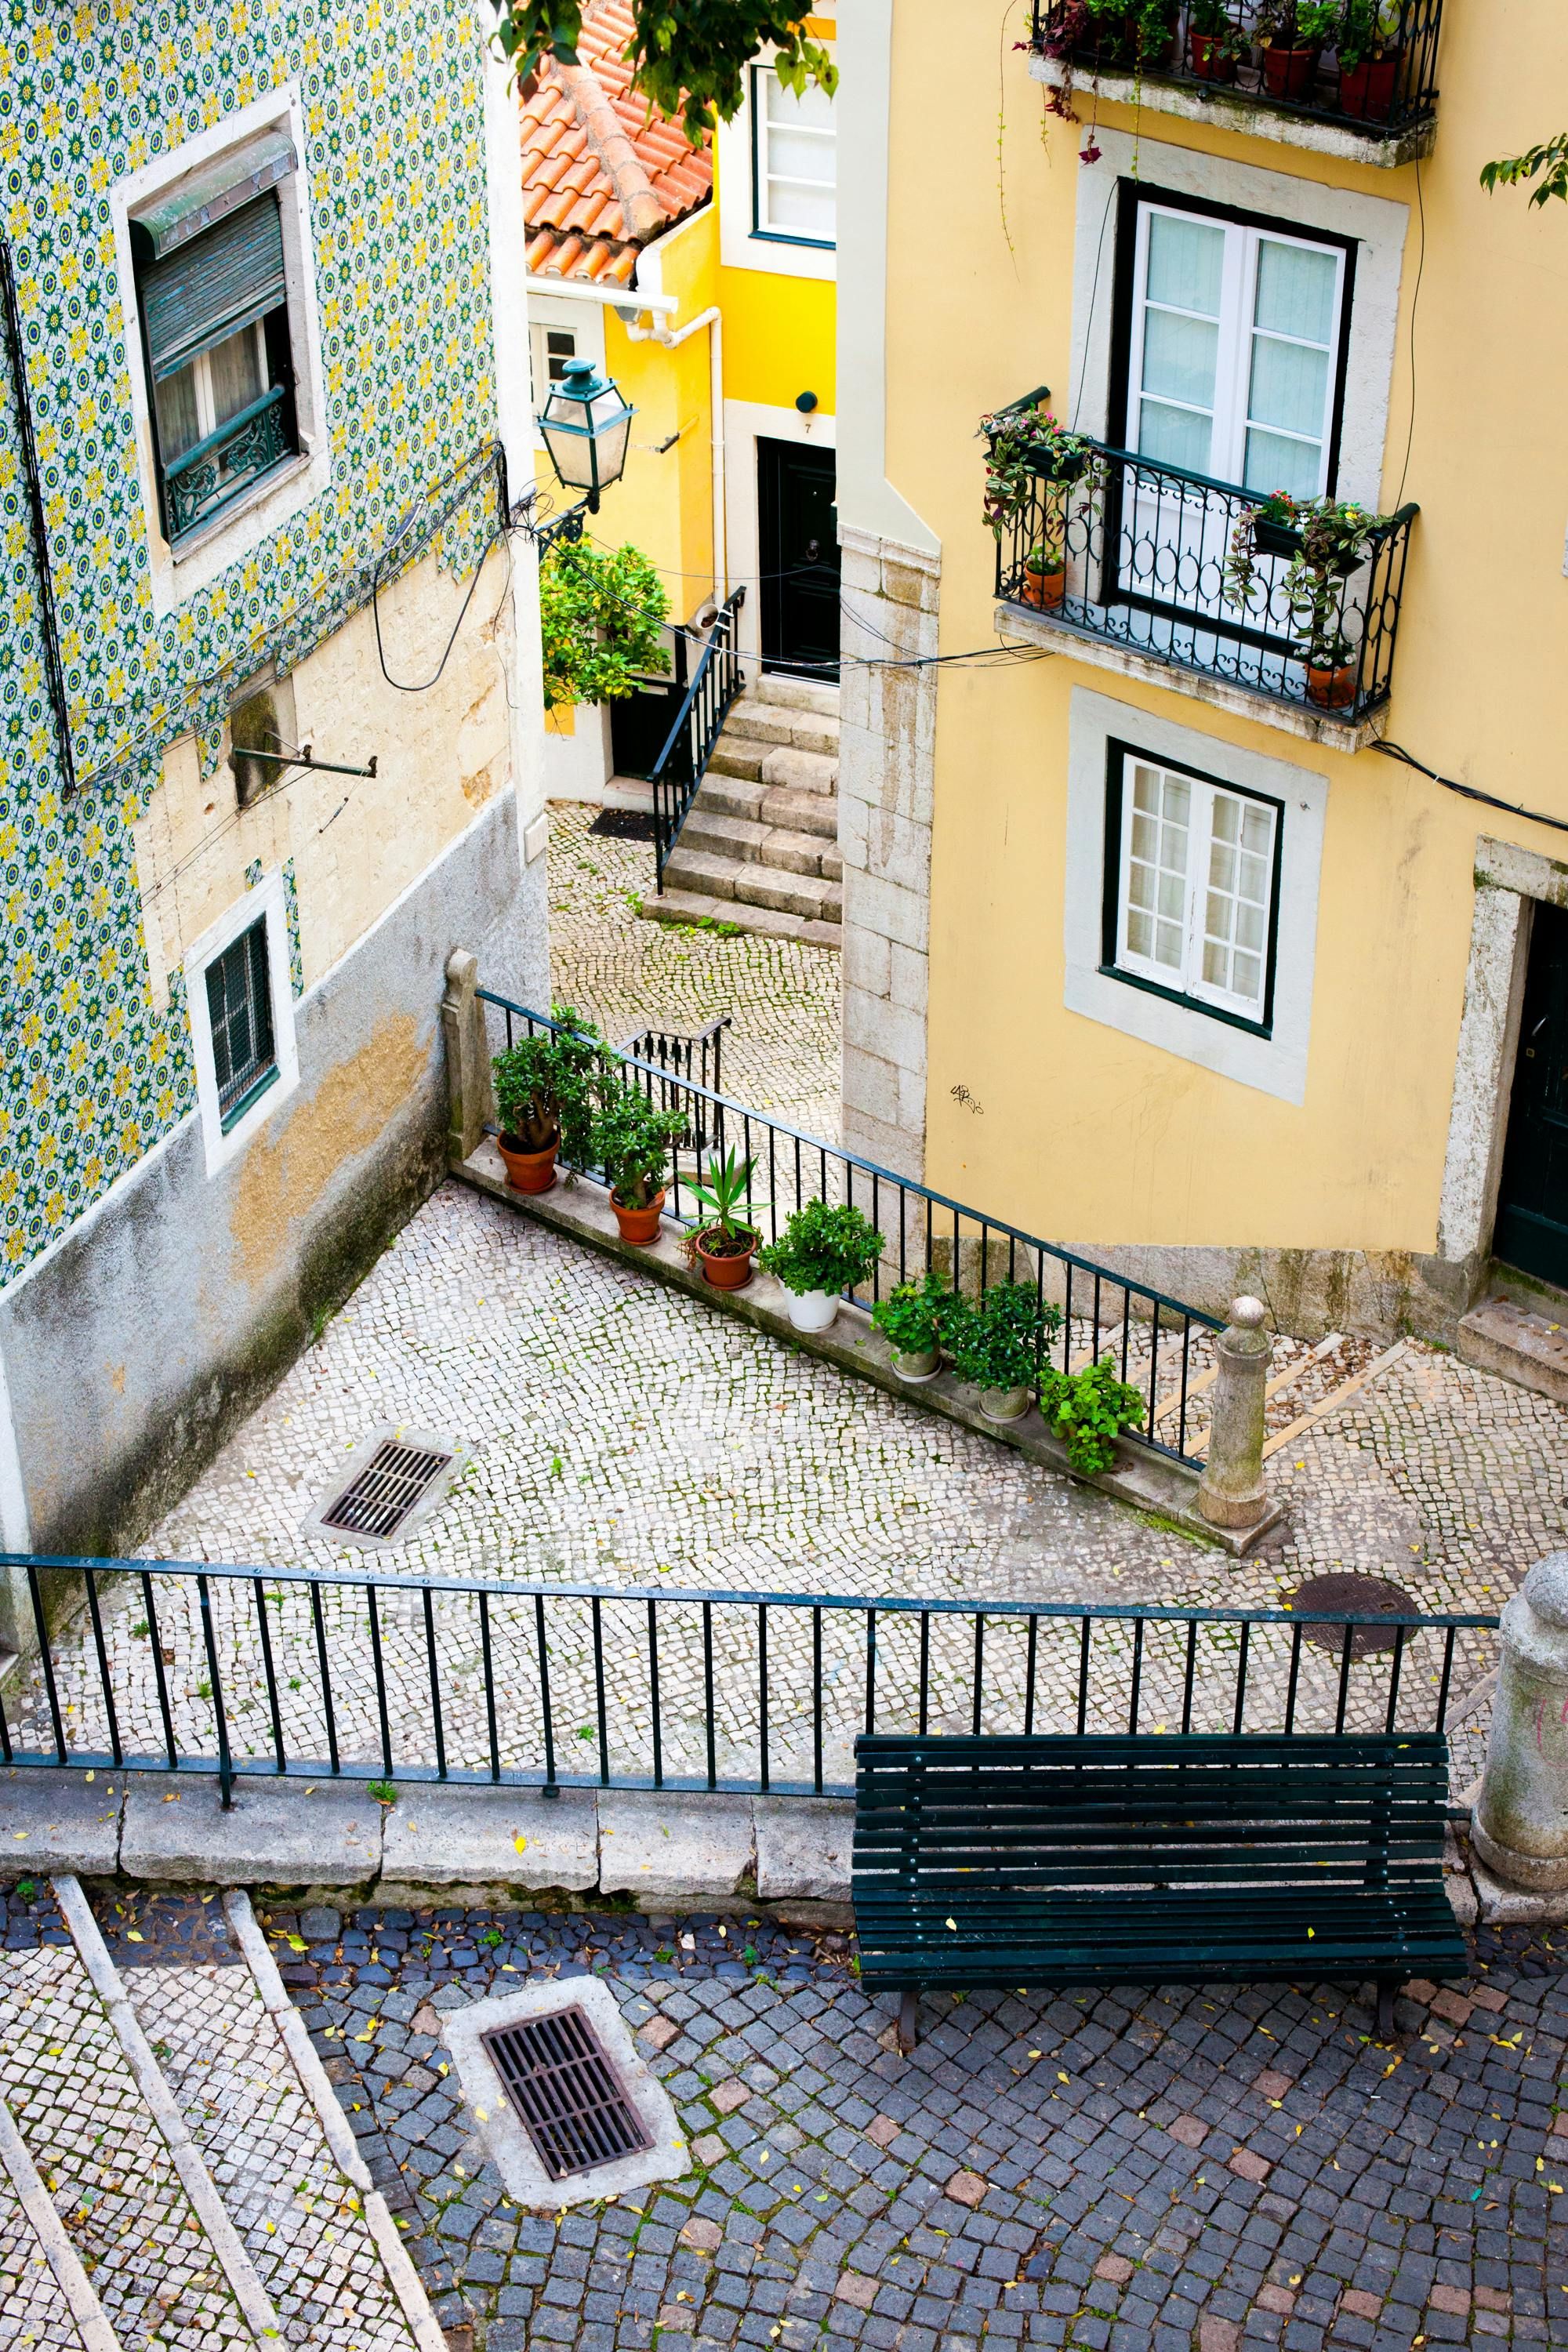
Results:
<point x="1353" y="1596"/>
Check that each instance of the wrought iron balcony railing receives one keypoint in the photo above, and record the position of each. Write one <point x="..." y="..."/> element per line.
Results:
<point x="1378" y="76"/>
<point x="202" y="479"/>
<point x="1142" y="556"/>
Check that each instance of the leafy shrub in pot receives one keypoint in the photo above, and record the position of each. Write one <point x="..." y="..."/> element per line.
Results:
<point x="996" y="1346"/>
<point x="544" y="1100"/>
<point x="632" y="1140"/>
<point x="1089" y="1409"/>
<point x="725" y="1243"/>
<point x="912" y="1319"/>
<point x="825" y="1248"/>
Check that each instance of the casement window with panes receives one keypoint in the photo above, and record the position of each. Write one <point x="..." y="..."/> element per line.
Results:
<point x="213" y="298"/>
<point x="794" y="164"/>
<point x="1191" y="896"/>
<point x="1234" y="341"/>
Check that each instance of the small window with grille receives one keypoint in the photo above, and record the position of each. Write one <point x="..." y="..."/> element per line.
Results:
<point x="239" y="1013"/>
<point x="1192" y="887"/>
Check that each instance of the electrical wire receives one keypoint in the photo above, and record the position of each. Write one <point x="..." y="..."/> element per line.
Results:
<point x="1468" y="792"/>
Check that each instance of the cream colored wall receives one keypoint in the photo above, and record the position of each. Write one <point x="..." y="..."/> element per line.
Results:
<point x="357" y="842"/>
<point x="1072" y="1129"/>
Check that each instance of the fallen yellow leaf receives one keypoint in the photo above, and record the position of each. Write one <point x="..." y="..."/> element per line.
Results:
<point x="521" y="1843"/>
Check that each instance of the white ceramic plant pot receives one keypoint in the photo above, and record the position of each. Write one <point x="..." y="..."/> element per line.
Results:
<point x="923" y="1366"/>
<point x="812" y="1310"/>
<point x="1004" y="1404"/>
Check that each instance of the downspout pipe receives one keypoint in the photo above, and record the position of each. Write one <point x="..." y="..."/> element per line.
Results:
<point x="670" y="339"/>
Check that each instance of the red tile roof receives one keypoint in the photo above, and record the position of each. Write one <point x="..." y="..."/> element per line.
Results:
<point x="601" y="177"/>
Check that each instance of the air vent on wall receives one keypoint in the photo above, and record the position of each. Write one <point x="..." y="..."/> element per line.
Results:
<point x="572" y="2102"/>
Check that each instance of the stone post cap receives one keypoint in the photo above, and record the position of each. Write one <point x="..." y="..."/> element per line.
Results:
<point x="462" y="967"/>
<point x="1545" y="1591"/>
<point x="1248" y="1314"/>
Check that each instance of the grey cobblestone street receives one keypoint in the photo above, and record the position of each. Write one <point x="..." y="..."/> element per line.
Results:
<point x="1183" y="2170"/>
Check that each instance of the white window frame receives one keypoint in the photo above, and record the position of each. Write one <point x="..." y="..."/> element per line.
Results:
<point x="741" y="244"/>
<point x="264" y="903"/>
<point x="764" y="175"/>
<point x="1188" y="979"/>
<point x="204" y="554"/>
<point x="1236" y="330"/>
<point x="550" y="314"/>
<point x="1275" y="1063"/>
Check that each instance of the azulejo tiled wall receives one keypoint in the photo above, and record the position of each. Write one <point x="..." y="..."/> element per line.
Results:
<point x="91" y="1075"/>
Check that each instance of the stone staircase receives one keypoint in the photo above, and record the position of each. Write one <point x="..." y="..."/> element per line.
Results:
<point x="175" y="2166"/>
<point x="760" y="846"/>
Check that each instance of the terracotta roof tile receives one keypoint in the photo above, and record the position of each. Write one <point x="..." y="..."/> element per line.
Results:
<point x="574" y="209"/>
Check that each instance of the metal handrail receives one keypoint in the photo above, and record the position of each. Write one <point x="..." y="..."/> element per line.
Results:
<point x="678" y="771"/>
<point x="774" y="1685"/>
<point x="223" y="433"/>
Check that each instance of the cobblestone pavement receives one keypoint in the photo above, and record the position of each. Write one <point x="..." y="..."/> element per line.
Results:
<point x="76" y="2106"/>
<point x="34" y="2314"/>
<point x="782" y="1055"/>
<point x="1175" y="2170"/>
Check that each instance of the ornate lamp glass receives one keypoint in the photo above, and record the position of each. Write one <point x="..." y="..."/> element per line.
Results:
<point x="586" y="424"/>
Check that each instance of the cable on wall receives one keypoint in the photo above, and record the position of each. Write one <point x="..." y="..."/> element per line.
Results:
<point x="1468" y="792"/>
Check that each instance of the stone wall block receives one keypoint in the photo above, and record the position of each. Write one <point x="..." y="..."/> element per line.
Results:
<point x="866" y="963"/>
<point x="871" y="1084"/>
<point x="894" y="1035"/>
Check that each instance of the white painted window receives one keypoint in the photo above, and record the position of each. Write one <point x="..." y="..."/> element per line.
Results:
<point x="1234" y="352"/>
<point x="561" y="329"/>
<point x="549" y="348"/>
<point x="1196" y="887"/>
<point x="242" y="1019"/>
<point x="795" y="164"/>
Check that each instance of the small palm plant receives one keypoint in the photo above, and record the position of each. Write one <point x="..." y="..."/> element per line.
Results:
<point x="726" y="1241"/>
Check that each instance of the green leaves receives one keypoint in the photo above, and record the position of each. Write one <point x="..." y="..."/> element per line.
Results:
<point x="632" y="1142"/>
<point x="599" y="617"/>
<point x="998" y="1344"/>
<point x="726" y="1193"/>
<point x="912" y="1319"/>
<point x="1089" y="1410"/>
<point x="690" y="61"/>
<point x="543" y="1086"/>
<point x="1548" y="163"/>
<point x="824" y="1247"/>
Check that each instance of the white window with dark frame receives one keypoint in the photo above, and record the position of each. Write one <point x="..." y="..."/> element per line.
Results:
<point x="1234" y="349"/>
<point x="1192" y="868"/>
<point x="212" y="294"/>
<point x="560" y="329"/>
<point x="242" y="1019"/>
<point x="794" y="163"/>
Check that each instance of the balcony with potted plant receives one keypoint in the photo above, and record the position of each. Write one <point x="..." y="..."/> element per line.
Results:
<point x="1352" y="77"/>
<point x="1283" y="609"/>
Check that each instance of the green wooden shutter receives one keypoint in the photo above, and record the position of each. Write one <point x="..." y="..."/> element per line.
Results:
<point x="206" y="291"/>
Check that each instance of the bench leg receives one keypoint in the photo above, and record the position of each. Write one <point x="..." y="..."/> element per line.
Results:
<point x="1386" y="1987"/>
<point x="904" y="2032"/>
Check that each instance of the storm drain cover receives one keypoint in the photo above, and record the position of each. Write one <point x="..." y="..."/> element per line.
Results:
<point x="403" y="1476"/>
<point x="1353" y="1596"/>
<point x="555" y="2072"/>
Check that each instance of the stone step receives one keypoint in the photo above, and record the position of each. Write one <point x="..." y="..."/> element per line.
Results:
<point x="796" y="693"/>
<point x="736" y="837"/>
<point x="788" y="890"/>
<point x="1523" y="1339"/>
<point x="799" y="771"/>
<point x="727" y="795"/>
<point x="731" y="758"/>
<point x="801" y="853"/>
<point x="696" y="907"/>
<point x="803" y="731"/>
<point x="800" y="812"/>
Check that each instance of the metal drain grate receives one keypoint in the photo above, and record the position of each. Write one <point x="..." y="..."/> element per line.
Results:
<point x="378" y="1498"/>
<point x="555" y="2072"/>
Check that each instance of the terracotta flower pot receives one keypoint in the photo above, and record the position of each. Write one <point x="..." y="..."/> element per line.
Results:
<point x="728" y="1269"/>
<point x="1211" y="60"/>
<point x="1289" y="73"/>
<point x="1044" y="589"/>
<point x="1332" y="690"/>
<point x="638" y="1226"/>
<point x="1367" y="89"/>
<point x="528" y="1171"/>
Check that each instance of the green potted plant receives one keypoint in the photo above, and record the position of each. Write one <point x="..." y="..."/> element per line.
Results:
<point x="1045" y="572"/>
<point x="1325" y="538"/>
<point x="826" y="1248"/>
<point x="632" y="1140"/>
<point x="545" y="1101"/>
<point x="1216" y="42"/>
<point x="996" y="1346"/>
<point x="724" y="1243"/>
<point x="1089" y="1410"/>
<point x="1133" y="32"/>
<point x="911" y="1319"/>
<point x="1369" y="47"/>
<point x="1292" y="34"/>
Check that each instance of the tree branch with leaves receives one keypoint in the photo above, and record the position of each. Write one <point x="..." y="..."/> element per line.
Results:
<point x="1548" y="163"/>
<point x="689" y="58"/>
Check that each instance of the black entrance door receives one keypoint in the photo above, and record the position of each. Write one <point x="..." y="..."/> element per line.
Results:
<point x="1532" y="1206"/>
<point x="798" y="546"/>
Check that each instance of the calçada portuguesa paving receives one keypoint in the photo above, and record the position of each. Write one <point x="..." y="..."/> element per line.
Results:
<point x="1175" y="2170"/>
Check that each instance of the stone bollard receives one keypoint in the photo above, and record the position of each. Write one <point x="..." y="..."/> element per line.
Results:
<point x="1521" y="1825"/>
<point x="467" y="1058"/>
<point x="1231" y="1492"/>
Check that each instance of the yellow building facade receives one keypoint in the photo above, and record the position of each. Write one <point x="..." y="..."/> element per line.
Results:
<point x="1148" y="945"/>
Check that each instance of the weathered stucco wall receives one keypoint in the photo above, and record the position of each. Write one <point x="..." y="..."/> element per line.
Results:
<point x="133" y="1348"/>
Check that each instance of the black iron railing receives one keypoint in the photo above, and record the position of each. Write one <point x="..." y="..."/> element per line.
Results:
<point x="681" y="766"/>
<point x="202" y="480"/>
<point x="1141" y="555"/>
<point x="178" y="1666"/>
<point x="699" y="1058"/>
<point x="1160" y="1345"/>
<point x="1382" y="84"/>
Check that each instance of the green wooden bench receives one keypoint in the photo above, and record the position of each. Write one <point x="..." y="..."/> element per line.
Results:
<point x="1141" y="1860"/>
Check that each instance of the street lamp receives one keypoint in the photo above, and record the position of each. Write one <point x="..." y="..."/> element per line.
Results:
<point x="585" y="425"/>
